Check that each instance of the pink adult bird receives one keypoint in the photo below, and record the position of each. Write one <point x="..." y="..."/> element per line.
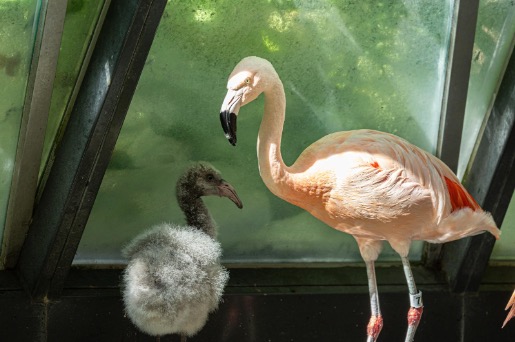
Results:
<point x="511" y="307"/>
<point x="372" y="185"/>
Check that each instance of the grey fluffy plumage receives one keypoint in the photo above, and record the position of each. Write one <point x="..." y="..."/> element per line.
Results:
<point x="174" y="279"/>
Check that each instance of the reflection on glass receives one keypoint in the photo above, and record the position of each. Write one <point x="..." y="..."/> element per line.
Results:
<point x="492" y="48"/>
<point x="79" y="24"/>
<point x="504" y="248"/>
<point x="17" y="34"/>
<point x="344" y="64"/>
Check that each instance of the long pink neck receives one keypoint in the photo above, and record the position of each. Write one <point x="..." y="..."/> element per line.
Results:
<point x="271" y="166"/>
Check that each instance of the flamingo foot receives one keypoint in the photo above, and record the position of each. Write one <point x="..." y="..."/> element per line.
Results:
<point x="414" y="316"/>
<point x="374" y="328"/>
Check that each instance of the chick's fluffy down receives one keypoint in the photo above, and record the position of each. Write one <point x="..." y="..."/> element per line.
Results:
<point x="173" y="279"/>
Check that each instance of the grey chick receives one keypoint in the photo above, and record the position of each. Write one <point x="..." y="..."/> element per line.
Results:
<point x="174" y="278"/>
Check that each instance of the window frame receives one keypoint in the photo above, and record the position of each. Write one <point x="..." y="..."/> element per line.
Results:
<point x="32" y="129"/>
<point x="86" y="145"/>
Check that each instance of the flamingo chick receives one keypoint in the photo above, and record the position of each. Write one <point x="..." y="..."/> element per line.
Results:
<point x="174" y="279"/>
<point x="372" y="185"/>
<point x="511" y="307"/>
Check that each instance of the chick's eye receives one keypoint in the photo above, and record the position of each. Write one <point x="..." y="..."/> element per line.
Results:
<point x="210" y="177"/>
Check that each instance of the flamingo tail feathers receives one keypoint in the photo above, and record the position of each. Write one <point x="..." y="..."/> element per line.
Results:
<point x="459" y="197"/>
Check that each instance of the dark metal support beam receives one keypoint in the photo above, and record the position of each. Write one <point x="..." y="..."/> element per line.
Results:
<point x="454" y="100"/>
<point x="457" y="80"/>
<point x="85" y="150"/>
<point x="491" y="180"/>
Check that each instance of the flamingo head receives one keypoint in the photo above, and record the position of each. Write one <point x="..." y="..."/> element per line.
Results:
<point x="248" y="80"/>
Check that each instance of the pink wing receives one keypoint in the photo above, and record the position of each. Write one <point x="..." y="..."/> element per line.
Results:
<point x="390" y="169"/>
<point x="511" y="306"/>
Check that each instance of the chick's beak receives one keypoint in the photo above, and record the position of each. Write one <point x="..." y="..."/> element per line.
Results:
<point x="229" y="112"/>
<point x="226" y="190"/>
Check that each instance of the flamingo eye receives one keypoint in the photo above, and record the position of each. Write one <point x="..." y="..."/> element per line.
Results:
<point x="247" y="80"/>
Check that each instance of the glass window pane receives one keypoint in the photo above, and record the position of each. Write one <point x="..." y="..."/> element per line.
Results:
<point x="17" y="34"/>
<point x="504" y="248"/>
<point x="79" y="24"/>
<point x="492" y="48"/>
<point x="344" y="64"/>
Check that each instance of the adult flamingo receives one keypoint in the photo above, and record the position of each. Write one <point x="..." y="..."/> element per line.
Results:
<point x="372" y="185"/>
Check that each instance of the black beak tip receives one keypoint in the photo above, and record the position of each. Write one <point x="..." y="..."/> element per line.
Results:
<point x="228" y="121"/>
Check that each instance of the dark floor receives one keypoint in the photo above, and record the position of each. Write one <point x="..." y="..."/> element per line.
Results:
<point x="284" y="313"/>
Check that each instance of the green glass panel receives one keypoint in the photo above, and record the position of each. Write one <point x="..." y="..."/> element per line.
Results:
<point x="80" y="22"/>
<point x="493" y="44"/>
<point x="18" y="25"/>
<point x="504" y="248"/>
<point x="344" y="64"/>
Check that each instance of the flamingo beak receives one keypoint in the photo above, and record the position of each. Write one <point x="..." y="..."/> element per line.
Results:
<point x="226" y="190"/>
<point x="229" y="114"/>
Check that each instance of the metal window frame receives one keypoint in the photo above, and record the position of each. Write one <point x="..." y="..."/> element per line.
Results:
<point x="491" y="180"/>
<point x="86" y="146"/>
<point x="24" y="186"/>
<point x="33" y="127"/>
<point x="73" y="96"/>
<point x="454" y="98"/>
<point x="95" y="122"/>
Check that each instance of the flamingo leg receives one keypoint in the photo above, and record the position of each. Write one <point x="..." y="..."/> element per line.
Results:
<point x="415" y="311"/>
<point x="183" y="338"/>
<point x="376" y="320"/>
